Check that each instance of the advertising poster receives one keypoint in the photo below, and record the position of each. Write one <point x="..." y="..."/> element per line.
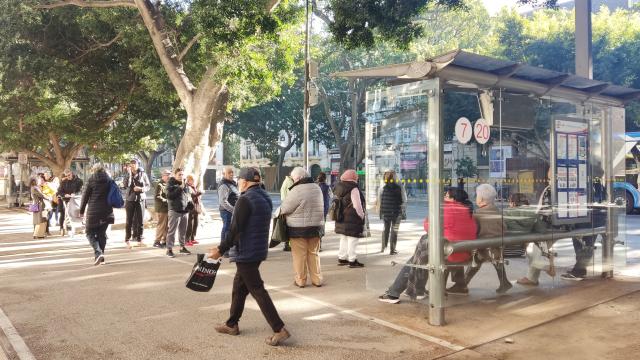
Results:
<point x="562" y="177"/>
<point x="572" y="144"/>
<point x="582" y="148"/>
<point x="582" y="201"/>
<point x="498" y="156"/>
<point x="573" y="204"/>
<point x="573" y="177"/>
<point x="562" y="205"/>
<point x="582" y="176"/>
<point x="561" y="152"/>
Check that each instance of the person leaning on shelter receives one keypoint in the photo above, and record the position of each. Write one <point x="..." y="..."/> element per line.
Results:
<point x="249" y="232"/>
<point x="490" y="225"/>
<point x="99" y="214"/>
<point x="137" y="184"/>
<point x="179" y="205"/>
<point x="391" y="202"/>
<point x="227" y="196"/>
<point x="352" y="215"/>
<point x="161" y="206"/>
<point x="304" y="212"/>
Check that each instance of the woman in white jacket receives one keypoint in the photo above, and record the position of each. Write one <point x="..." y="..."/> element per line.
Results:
<point x="304" y="210"/>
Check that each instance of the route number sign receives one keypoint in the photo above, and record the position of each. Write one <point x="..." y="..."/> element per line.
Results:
<point x="481" y="131"/>
<point x="463" y="130"/>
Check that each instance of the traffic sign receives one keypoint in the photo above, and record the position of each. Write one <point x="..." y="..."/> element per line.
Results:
<point x="463" y="130"/>
<point x="481" y="131"/>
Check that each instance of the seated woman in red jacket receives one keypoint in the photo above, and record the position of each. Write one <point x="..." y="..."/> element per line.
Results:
<point x="458" y="225"/>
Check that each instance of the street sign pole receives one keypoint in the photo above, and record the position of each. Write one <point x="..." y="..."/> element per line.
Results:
<point x="584" y="59"/>
<point x="305" y="108"/>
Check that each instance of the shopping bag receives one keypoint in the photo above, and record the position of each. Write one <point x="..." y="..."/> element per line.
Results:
<point x="536" y="257"/>
<point x="279" y="233"/>
<point x="40" y="230"/>
<point x="203" y="274"/>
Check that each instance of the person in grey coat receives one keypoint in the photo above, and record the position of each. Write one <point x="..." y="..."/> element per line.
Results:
<point x="99" y="214"/>
<point x="137" y="184"/>
<point x="304" y="211"/>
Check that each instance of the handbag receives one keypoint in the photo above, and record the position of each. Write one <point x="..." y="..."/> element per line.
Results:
<point x="279" y="233"/>
<point x="203" y="275"/>
<point x="537" y="258"/>
<point x="34" y="207"/>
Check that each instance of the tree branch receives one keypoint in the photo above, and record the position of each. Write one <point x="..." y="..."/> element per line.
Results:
<point x="186" y="49"/>
<point x="98" y="46"/>
<point x="320" y="14"/>
<point x="271" y="4"/>
<point x="55" y="142"/>
<point x="86" y="3"/>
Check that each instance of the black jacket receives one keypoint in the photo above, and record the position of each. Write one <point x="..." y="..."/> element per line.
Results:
<point x="391" y="202"/>
<point x="70" y="187"/>
<point x="94" y="201"/>
<point x="249" y="230"/>
<point x="179" y="196"/>
<point x="352" y="224"/>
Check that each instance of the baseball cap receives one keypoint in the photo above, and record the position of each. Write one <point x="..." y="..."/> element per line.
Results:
<point x="134" y="161"/>
<point x="249" y="174"/>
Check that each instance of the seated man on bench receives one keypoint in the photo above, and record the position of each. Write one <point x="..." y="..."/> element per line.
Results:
<point x="490" y="225"/>
<point x="458" y="225"/>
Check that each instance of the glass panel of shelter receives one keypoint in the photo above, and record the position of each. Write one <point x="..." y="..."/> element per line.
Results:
<point x="395" y="163"/>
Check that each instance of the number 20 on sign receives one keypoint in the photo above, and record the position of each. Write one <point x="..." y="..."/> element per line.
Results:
<point x="481" y="131"/>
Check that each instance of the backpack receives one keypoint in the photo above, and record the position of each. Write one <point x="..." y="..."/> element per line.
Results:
<point x="114" y="198"/>
<point x="336" y="211"/>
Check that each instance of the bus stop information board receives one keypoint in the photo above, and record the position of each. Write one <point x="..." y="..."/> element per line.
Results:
<point x="571" y="165"/>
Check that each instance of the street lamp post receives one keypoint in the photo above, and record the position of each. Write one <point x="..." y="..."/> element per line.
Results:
<point x="305" y="108"/>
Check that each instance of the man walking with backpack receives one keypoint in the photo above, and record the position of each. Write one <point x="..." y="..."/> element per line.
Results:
<point x="137" y="184"/>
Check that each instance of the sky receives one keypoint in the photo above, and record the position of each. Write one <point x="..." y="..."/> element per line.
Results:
<point x="494" y="6"/>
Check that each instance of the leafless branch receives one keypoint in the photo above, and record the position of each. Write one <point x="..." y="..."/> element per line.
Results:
<point x="97" y="46"/>
<point x="86" y="3"/>
<point x="319" y="13"/>
<point x="186" y="49"/>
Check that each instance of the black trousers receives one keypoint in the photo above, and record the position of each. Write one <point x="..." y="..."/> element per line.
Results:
<point x="134" y="225"/>
<point x="248" y="281"/>
<point x="390" y="233"/>
<point x="192" y="225"/>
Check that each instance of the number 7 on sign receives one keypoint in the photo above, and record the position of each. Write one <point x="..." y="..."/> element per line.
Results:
<point x="463" y="130"/>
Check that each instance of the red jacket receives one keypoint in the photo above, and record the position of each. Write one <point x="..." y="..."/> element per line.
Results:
<point x="458" y="225"/>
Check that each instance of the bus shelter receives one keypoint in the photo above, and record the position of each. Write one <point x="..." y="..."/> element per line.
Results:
<point x="551" y="144"/>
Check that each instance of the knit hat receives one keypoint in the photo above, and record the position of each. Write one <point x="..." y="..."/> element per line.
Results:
<point x="249" y="174"/>
<point x="349" y="175"/>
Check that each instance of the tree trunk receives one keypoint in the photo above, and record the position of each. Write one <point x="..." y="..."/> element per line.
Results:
<point x="203" y="131"/>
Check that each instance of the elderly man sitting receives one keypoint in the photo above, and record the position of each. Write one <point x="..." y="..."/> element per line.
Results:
<point x="304" y="211"/>
<point x="490" y="225"/>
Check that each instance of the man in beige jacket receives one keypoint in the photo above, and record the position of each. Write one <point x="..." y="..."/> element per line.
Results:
<point x="304" y="211"/>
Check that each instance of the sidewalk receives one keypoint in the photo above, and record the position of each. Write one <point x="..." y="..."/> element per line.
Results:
<point x="136" y="307"/>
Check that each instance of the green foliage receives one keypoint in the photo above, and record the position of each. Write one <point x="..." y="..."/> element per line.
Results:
<point x="465" y="167"/>
<point x="231" y="155"/>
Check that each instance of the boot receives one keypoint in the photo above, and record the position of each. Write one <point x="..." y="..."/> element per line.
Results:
<point x="470" y="273"/>
<point x="505" y="284"/>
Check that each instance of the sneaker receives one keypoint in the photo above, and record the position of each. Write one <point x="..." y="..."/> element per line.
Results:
<point x="189" y="243"/>
<point x="343" y="262"/>
<point x="98" y="260"/>
<point x="226" y="329"/>
<point x="195" y="242"/>
<point x="183" y="250"/>
<point x="156" y="244"/>
<point x="286" y="247"/>
<point x="355" y="264"/>
<point x="278" y="337"/>
<point x="163" y="245"/>
<point x="389" y="299"/>
<point x="170" y="253"/>
<point x="504" y="287"/>
<point x="103" y="262"/>
<point x="527" y="282"/>
<point x="458" y="290"/>
<point x="393" y="252"/>
<point x="128" y="244"/>
<point x="571" y="277"/>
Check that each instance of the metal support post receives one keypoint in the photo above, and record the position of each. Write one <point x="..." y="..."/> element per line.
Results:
<point x="612" y="220"/>
<point x="354" y="120"/>
<point x="436" y="242"/>
<point x="584" y="60"/>
<point x="305" y="108"/>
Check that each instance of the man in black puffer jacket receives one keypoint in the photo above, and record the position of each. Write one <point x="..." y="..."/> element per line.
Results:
<point x="391" y="202"/>
<point x="179" y="197"/>
<point x="99" y="214"/>
<point x="250" y="234"/>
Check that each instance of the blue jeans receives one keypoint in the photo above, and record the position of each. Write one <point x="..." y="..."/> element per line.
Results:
<point x="98" y="239"/>
<point x="226" y="225"/>
<point x="402" y="280"/>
